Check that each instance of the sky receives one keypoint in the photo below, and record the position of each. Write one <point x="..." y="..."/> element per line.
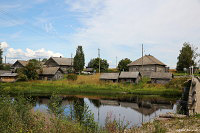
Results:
<point x="45" y="28"/>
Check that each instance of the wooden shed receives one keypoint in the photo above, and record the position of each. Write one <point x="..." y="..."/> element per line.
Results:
<point x="8" y="77"/>
<point x="160" y="77"/>
<point x="109" y="77"/>
<point x="51" y="73"/>
<point x="131" y="77"/>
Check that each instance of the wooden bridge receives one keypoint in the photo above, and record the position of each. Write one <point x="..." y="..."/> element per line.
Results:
<point x="194" y="96"/>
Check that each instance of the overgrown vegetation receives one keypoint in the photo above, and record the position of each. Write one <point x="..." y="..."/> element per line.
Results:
<point x="90" y="85"/>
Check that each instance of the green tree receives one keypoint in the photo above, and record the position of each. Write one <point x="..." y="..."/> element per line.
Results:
<point x="79" y="60"/>
<point x="44" y="60"/>
<point x="186" y="57"/>
<point x="122" y="66"/>
<point x="30" y="71"/>
<point x="94" y="63"/>
<point x="1" y="59"/>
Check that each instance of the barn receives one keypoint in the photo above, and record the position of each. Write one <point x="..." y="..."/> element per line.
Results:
<point x="50" y="73"/>
<point x="160" y="77"/>
<point x="8" y="77"/>
<point x="109" y="77"/>
<point x="131" y="77"/>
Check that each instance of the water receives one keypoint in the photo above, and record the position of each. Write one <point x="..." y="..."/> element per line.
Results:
<point x="135" y="111"/>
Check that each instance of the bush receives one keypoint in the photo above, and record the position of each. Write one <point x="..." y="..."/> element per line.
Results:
<point x="72" y="77"/>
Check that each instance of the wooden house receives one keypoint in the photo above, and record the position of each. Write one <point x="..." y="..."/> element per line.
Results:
<point x="19" y="64"/>
<point x="131" y="77"/>
<point x="160" y="77"/>
<point x="146" y="65"/>
<point x="51" y="73"/>
<point x="8" y="77"/>
<point x="109" y="77"/>
<point x="64" y="63"/>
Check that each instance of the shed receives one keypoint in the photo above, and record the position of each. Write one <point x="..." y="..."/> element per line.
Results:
<point x="131" y="77"/>
<point x="160" y="77"/>
<point x="109" y="77"/>
<point x="8" y="77"/>
<point x="51" y="73"/>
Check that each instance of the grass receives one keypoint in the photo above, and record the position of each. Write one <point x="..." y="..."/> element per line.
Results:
<point x="90" y="85"/>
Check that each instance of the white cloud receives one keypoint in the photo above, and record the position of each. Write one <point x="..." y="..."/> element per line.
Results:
<point x="120" y="27"/>
<point x="19" y="54"/>
<point x="4" y="45"/>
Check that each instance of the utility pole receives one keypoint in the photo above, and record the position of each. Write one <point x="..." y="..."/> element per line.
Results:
<point x="5" y="59"/>
<point x="116" y="61"/>
<point x="142" y="58"/>
<point x="72" y="62"/>
<point x="99" y="60"/>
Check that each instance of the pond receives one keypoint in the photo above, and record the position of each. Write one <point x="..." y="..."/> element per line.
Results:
<point x="133" y="110"/>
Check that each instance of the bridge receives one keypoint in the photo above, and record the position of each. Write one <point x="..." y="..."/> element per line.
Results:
<point x="194" y="96"/>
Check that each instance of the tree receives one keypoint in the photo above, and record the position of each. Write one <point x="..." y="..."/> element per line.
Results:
<point x="94" y="63"/>
<point x="44" y="60"/>
<point x="186" y="57"/>
<point x="1" y="59"/>
<point x="79" y="60"/>
<point x="122" y="66"/>
<point x="30" y="71"/>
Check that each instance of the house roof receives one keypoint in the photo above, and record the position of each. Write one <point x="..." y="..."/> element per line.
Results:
<point x="9" y="75"/>
<point x="129" y="74"/>
<point x="22" y="62"/>
<point x="161" y="75"/>
<point x="49" y="70"/>
<point x="63" y="61"/>
<point x="109" y="76"/>
<point x="89" y="69"/>
<point x="4" y="71"/>
<point x="147" y="60"/>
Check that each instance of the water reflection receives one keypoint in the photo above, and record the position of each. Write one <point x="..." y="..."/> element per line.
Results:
<point x="136" y="110"/>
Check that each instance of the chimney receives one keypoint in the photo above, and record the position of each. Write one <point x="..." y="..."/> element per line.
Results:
<point x="60" y="56"/>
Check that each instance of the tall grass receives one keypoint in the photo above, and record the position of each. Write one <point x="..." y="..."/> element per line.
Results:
<point x="90" y="85"/>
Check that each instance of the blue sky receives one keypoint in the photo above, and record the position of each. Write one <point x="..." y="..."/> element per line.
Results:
<point x="44" y="28"/>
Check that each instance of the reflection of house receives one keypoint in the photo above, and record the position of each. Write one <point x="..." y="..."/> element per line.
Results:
<point x="109" y="102"/>
<point x="146" y="65"/>
<point x="109" y="77"/>
<point x="64" y="63"/>
<point x="8" y="77"/>
<point x="51" y="73"/>
<point x="160" y="77"/>
<point x="19" y="64"/>
<point x="131" y="77"/>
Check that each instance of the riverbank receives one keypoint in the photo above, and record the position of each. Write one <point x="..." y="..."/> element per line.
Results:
<point x="187" y="124"/>
<point x="90" y="85"/>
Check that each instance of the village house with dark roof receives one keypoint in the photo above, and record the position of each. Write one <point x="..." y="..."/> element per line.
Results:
<point x="64" y="63"/>
<point x="160" y="77"/>
<point x="131" y="77"/>
<point x="146" y="65"/>
<point x="109" y="77"/>
<point x="19" y="64"/>
<point x="50" y="73"/>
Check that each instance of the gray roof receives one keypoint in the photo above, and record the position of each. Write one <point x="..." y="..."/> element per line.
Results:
<point x="147" y="60"/>
<point x="129" y="74"/>
<point x="49" y="70"/>
<point x="4" y="71"/>
<point x="63" y="61"/>
<point x="9" y="75"/>
<point x="161" y="75"/>
<point x="22" y="62"/>
<point x="89" y="69"/>
<point x="109" y="76"/>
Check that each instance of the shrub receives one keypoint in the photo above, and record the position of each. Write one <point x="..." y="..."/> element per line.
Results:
<point x="72" y="77"/>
